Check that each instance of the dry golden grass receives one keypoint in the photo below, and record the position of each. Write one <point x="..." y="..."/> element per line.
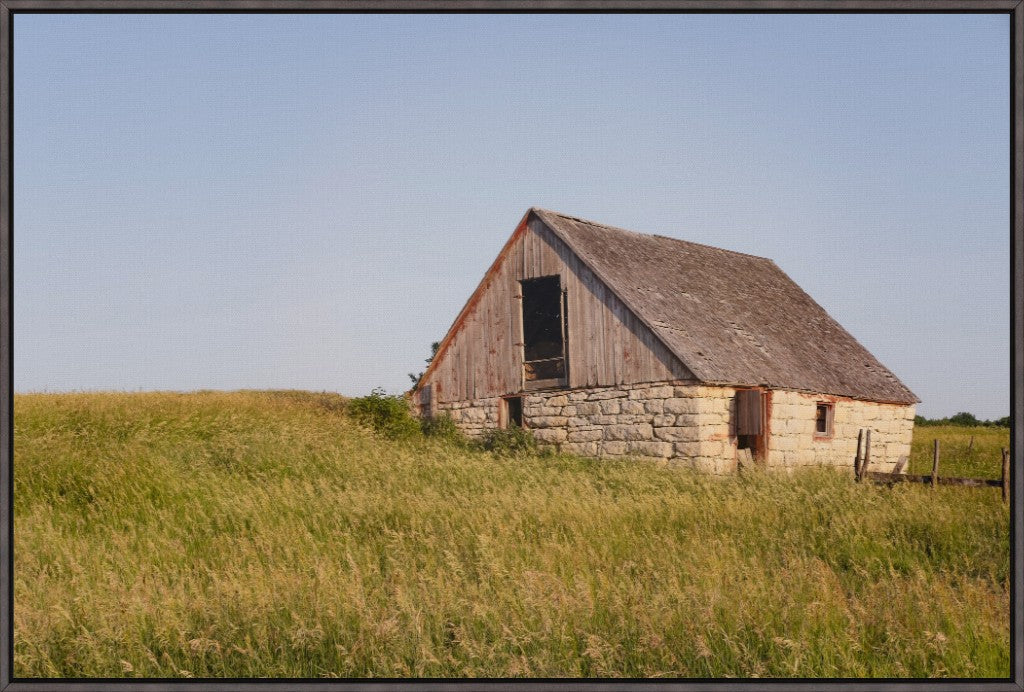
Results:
<point x="259" y="534"/>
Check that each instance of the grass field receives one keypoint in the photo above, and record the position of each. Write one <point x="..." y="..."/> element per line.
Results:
<point x="957" y="457"/>
<point x="265" y="535"/>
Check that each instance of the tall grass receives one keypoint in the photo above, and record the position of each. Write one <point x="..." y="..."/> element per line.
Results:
<point x="265" y="534"/>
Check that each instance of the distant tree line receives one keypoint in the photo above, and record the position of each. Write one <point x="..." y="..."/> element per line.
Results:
<point x="965" y="419"/>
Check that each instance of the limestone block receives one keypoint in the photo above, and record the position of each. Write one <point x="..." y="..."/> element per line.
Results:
<point x="613" y="448"/>
<point x="689" y="420"/>
<point x="684" y="392"/>
<point x="674" y="434"/>
<point x="663" y="392"/>
<point x="654" y="405"/>
<point x="534" y="400"/>
<point x="663" y="419"/>
<point x="641" y="431"/>
<point x="845" y="431"/>
<point x="782" y="411"/>
<point x="585" y="449"/>
<point x="579" y="422"/>
<point x="710" y="420"/>
<point x="610" y="406"/>
<point x="705" y="465"/>
<point x="547" y="421"/>
<point x="544" y="411"/>
<point x="550" y="435"/>
<point x="784" y="443"/>
<point x="713" y="432"/>
<point x="712" y="448"/>
<point x="682" y="405"/>
<point x="798" y="426"/>
<point x="649" y="448"/>
<point x="577" y="395"/>
<point x="474" y="415"/>
<point x="569" y="410"/>
<point x="585" y="435"/>
<point x="588" y="408"/>
<point x="559" y="400"/>
<point x="606" y="394"/>
<point x="632" y="406"/>
<point x="687" y="449"/>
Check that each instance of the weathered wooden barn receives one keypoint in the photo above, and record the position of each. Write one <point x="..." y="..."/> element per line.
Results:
<point x="606" y="342"/>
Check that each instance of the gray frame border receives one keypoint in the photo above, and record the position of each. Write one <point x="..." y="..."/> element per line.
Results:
<point x="1015" y="10"/>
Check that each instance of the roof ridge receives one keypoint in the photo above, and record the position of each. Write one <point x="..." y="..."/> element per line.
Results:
<point x="649" y="235"/>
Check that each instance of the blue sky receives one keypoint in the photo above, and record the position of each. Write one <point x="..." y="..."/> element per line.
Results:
<point x="306" y="201"/>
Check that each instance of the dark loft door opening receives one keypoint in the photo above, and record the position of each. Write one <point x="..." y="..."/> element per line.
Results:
<point x="543" y="331"/>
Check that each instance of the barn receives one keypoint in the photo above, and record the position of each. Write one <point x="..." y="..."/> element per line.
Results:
<point x="609" y="343"/>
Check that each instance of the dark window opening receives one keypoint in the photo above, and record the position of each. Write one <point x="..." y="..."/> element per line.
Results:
<point x="426" y="401"/>
<point x="513" y="412"/>
<point x="823" y="420"/>
<point x="543" y="330"/>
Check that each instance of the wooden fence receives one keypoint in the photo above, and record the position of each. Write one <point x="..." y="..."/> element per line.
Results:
<point x="861" y="472"/>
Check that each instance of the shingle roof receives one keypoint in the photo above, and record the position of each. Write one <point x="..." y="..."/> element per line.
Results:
<point x="731" y="318"/>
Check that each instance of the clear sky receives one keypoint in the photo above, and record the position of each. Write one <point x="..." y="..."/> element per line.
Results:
<point x="278" y="201"/>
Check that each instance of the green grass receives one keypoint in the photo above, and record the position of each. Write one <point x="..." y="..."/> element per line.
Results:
<point x="957" y="458"/>
<point x="265" y="535"/>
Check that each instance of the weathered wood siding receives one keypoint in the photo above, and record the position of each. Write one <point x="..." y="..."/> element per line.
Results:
<point x="607" y="344"/>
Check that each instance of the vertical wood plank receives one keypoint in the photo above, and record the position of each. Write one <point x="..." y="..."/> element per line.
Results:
<point x="1006" y="474"/>
<point x="856" y="457"/>
<point x="867" y="453"/>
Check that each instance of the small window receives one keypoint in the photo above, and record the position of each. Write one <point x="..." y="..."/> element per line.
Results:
<point x="512" y="412"/>
<point x="823" y="420"/>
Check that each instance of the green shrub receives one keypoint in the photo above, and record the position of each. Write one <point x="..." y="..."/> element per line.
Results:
<point x="509" y="441"/>
<point x="442" y="427"/>
<point x="386" y="414"/>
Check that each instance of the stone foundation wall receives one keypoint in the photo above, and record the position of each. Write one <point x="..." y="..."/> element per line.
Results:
<point x="684" y="422"/>
<point x="474" y="417"/>
<point x="792" y="441"/>
<point x="693" y="425"/>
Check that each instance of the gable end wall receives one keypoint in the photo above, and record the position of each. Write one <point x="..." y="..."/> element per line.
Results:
<point x="607" y="344"/>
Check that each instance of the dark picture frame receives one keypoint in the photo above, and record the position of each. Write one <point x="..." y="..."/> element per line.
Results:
<point x="1014" y="11"/>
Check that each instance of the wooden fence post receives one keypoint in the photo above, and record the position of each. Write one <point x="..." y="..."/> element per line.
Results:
<point x="935" y="463"/>
<point x="1006" y="475"/>
<point x="856" y="457"/>
<point x="970" y="445"/>
<point x="867" y="454"/>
